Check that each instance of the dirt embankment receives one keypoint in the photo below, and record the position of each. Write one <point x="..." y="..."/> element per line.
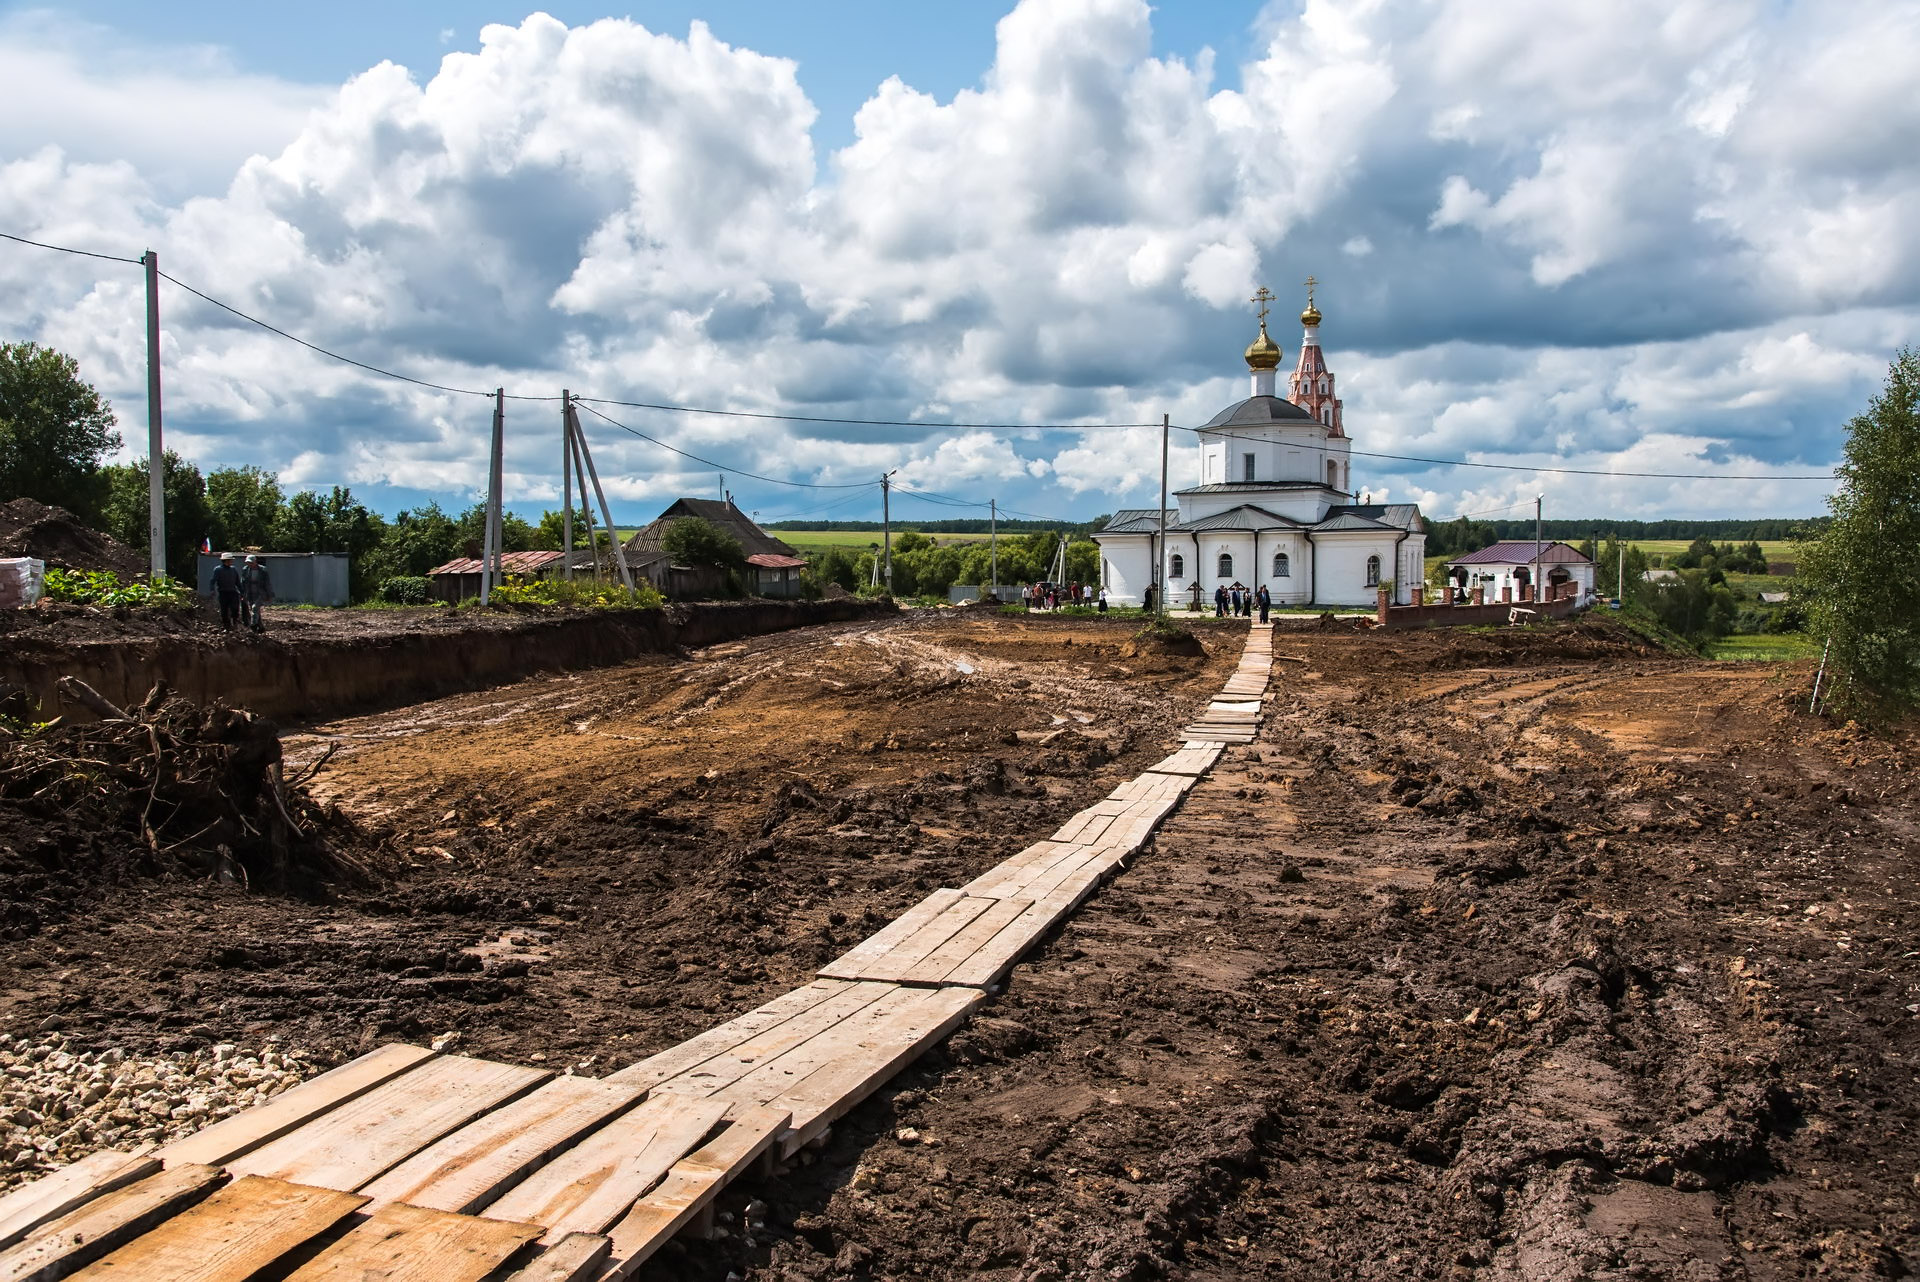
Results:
<point x="57" y="536"/>
<point x="316" y="663"/>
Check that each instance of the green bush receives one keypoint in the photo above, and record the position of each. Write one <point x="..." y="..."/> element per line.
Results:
<point x="405" y="589"/>
<point x="103" y="587"/>
<point x="587" y="594"/>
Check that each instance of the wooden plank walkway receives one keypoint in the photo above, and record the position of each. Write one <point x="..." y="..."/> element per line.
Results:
<point x="405" y="1164"/>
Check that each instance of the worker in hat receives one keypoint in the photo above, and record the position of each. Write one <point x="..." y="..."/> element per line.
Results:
<point x="256" y="589"/>
<point x="226" y="586"/>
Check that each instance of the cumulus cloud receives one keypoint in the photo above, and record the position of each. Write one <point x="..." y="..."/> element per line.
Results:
<point x="1626" y="233"/>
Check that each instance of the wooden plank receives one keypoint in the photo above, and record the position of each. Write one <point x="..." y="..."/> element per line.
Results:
<point x="401" y="1243"/>
<point x="901" y="927"/>
<point x="677" y="1059"/>
<point x="1250" y="708"/>
<point x="1190" y="760"/>
<point x="591" y="1185"/>
<point x="227" y="1139"/>
<point x="366" y="1137"/>
<point x="232" y="1236"/>
<point x="691" y="1185"/>
<point x="468" y="1169"/>
<point x="108" y="1222"/>
<point x="908" y="947"/>
<point x="577" y="1257"/>
<point x="991" y="962"/>
<point x="863" y="1053"/>
<point x="1009" y="878"/>
<point x="54" y="1194"/>
<point x="937" y="965"/>
<point x="718" y="1071"/>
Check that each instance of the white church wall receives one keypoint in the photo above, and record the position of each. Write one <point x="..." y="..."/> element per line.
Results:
<point x="1126" y="564"/>
<point x="1296" y="588"/>
<point x="1340" y="566"/>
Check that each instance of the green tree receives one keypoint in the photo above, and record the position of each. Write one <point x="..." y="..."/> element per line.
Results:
<point x="54" y="430"/>
<point x="1083" y="562"/>
<point x="551" y="535"/>
<point x="836" y="565"/>
<point x="337" y="523"/>
<point x="244" y="503"/>
<point x="694" y="540"/>
<point x="516" y="534"/>
<point x="416" y="541"/>
<point x="910" y="541"/>
<point x="124" y="510"/>
<point x="1860" y="579"/>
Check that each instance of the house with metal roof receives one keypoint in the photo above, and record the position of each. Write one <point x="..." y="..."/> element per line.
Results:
<point x="772" y="568"/>
<point x="1273" y="506"/>
<point x="1513" y="563"/>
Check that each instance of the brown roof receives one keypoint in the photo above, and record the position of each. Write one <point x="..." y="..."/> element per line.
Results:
<point x="774" y="561"/>
<point x="511" y="562"/>
<point x="754" y="541"/>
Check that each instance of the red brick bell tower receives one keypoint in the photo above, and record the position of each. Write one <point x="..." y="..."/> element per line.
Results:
<point x="1311" y="384"/>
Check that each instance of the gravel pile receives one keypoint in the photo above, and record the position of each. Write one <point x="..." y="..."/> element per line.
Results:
<point x="58" y="1104"/>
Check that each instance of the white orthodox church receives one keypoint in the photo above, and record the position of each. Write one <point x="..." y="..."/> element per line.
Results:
<point x="1274" y="505"/>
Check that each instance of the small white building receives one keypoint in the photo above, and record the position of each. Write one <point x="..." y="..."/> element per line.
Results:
<point x="1510" y="564"/>
<point x="1273" y="506"/>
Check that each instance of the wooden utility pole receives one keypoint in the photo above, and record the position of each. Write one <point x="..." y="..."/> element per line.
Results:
<point x="586" y="507"/>
<point x="993" y="545"/>
<point x="490" y="532"/>
<point x="566" y="484"/>
<point x="606" y="513"/>
<point x="156" y="449"/>
<point x="1537" y="598"/>
<point x="886" y="526"/>
<point x="1160" y="560"/>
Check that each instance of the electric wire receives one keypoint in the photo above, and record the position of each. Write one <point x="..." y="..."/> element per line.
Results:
<point x="734" y="471"/>
<point x="864" y="422"/>
<point x="68" y="249"/>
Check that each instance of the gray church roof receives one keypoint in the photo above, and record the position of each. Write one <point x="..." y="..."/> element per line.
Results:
<point x="1338" y="520"/>
<point x="1257" y="411"/>
<point x="1137" y="520"/>
<point x="1244" y="517"/>
<point x="1252" y="487"/>
<point x="1399" y="516"/>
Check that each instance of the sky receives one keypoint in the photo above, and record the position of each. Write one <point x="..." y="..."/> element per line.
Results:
<point x="1610" y="236"/>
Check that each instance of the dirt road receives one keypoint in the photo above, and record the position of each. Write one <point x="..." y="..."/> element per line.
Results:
<point x="1500" y="955"/>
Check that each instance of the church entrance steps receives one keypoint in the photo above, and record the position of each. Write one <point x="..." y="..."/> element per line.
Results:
<point x="408" y="1163"/>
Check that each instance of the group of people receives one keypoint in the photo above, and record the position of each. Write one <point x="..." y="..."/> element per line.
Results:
<point x="1051" y="596"/>
<point x="242" y="592"/>
<point x="1234" y="599"/>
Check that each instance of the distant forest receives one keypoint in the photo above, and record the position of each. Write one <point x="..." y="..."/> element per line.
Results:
<point x="1463" y="534"/>
<point x="1449" y="538"/>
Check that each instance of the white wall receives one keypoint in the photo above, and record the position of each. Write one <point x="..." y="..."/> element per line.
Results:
<point x="1126" y="566"/>
<point x="1340" y="566"/>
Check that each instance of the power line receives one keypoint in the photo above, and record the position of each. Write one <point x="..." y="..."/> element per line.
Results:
<point x="1525" y="467"/>
<point x="771" y="480"/>
<point x="65" y="249"/>
<point x="863" y="422"/>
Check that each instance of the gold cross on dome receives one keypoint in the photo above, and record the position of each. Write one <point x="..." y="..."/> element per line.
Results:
<point x="1311" y="282"/>
<point x="1263" y="296"/>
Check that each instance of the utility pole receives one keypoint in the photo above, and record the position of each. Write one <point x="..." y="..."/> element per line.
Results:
<point x="1160" y="561"/>
<point x="606" y="514"/>
<point x="1620" y="587"/>
<point x="1536" y="549"/>
<point x="156" y="450"/>
<point x="993" y="546"/>
<point x="490" y="536"/>
<point x="566" y="484"/>
<point x="886" y="526"/>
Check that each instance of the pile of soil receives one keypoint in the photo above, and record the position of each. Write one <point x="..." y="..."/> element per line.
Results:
<point x="170" y="788"/>
<point x="58" y="537"/>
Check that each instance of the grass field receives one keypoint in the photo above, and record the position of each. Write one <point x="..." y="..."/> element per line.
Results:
<point x="1769" y="646"/>
<point x="859" y="540"/>
<point x="1775" y="549"/>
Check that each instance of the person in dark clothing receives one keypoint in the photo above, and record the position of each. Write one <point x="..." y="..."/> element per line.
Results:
<point x="1266" y="602"/>
<point x="256" y="589"/>
<point x="1220" y="602"/>
<point x="226" y="586"/>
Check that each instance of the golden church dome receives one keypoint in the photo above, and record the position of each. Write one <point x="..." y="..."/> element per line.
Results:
<point x="1311" y="316"/>
<point x="1263" y="352"/>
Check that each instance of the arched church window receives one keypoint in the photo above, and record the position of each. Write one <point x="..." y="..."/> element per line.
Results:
<point x="1333" y="475"/>
<point x="1373" y="571"/>
<point x="1226" y="565"/>
<point x="1282" y="566"/>
<point x="1326" y="414"/>
<point x="1323" y="387"/>
<point x="1177" y="566"/>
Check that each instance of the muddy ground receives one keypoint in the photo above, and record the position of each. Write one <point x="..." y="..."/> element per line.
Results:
<point x="1506" y="955"/>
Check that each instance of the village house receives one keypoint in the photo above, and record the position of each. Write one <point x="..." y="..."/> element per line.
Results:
<point x="1506" y="569"/>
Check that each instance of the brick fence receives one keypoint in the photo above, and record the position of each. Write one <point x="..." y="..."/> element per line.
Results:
<point x="1448" y="614"/>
